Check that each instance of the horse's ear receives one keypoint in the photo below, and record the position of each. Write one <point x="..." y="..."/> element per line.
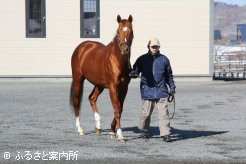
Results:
<point x="130" y="18"/>
<point x="118" y="18"/>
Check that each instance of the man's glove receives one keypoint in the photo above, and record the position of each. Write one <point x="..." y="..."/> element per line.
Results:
<point x="133" y="75"/>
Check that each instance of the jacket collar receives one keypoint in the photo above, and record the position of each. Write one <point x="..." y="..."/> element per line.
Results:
<point x="156" y="55"/>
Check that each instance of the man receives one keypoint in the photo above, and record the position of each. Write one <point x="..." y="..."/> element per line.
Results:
<point x="156" y="74"/>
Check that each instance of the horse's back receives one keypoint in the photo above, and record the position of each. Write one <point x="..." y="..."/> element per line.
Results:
<point x="88" y="50"/>
<point x="88" y="60"/>
<point x="87" y="47"/>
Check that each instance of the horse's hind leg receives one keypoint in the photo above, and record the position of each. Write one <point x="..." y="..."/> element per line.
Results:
<point x="77" y="95"/>
<point x="93" y="99"/>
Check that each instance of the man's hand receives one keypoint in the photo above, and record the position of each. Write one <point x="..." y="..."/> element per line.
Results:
<point x="172" y="91"/>
<point x="171" y="94"/>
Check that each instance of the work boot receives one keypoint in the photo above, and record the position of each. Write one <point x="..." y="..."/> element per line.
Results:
<point x="166" y="138"/>
<point x="144" y="135"/>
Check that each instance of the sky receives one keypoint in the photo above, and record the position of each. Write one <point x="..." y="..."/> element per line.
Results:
<point x="237" y="2"/>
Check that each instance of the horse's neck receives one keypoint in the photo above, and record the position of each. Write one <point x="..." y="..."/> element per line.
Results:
<point x="125" y="59"/>
<point x="116" y="44"/>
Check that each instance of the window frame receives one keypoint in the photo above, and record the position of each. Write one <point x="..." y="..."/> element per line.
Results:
<point x="43" y="25"/>
<point x="82" y="35"/>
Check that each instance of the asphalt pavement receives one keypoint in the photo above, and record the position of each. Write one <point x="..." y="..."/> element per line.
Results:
<point x="38" y="125"/>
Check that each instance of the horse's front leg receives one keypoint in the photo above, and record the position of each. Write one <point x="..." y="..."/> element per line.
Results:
<point x="117" y="112"/>
<point x="122" y="91"/>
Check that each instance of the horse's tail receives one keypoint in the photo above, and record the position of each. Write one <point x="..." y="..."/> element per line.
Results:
<point x="80" y="94"/>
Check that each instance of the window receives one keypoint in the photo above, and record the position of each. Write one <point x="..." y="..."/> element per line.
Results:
<point x="89" y="19"/>
<point x="35" y="19"/>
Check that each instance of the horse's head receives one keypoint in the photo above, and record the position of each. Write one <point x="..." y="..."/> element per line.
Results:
<point x="124" y="34"/>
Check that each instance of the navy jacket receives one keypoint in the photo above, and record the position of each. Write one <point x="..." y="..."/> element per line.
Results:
<point x="156" y="74"/>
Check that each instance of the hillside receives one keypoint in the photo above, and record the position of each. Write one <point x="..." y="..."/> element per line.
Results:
<point x="226" y="17"/>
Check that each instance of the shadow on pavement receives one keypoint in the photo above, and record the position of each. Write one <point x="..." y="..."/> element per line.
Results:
<point x="177" y="134"/>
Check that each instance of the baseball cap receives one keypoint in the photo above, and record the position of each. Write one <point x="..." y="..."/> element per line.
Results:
<point x="154" y="42"/>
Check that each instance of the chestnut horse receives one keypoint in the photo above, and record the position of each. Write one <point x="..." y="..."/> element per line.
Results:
<point x="104" y="67"/>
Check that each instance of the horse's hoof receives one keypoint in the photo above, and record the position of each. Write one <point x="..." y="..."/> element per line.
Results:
<point x="98" y="131"/>
<point x="81" y="133"/>
<point x="121" y="141"/>
<point x="112" y="135"/>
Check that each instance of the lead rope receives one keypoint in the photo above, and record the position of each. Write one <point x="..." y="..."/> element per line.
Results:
<point x="171" y="98"/>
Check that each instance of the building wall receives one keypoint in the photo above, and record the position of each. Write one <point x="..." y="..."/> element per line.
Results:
<point x="182" y="26"/>
<point x="242" y="29"/>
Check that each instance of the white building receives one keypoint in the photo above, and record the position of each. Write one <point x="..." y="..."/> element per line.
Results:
<point x="37" y="37"/>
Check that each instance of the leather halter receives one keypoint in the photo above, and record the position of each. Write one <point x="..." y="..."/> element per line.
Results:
<point x="128" y="43"/>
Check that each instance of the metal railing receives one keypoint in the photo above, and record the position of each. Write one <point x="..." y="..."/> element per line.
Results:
<point x="230" y="67"/>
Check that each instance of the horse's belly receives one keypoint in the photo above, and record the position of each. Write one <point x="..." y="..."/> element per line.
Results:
<point x="97" y="80"/>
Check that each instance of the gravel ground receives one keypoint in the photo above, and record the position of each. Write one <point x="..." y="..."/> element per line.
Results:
<point x="38" y="124"/>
